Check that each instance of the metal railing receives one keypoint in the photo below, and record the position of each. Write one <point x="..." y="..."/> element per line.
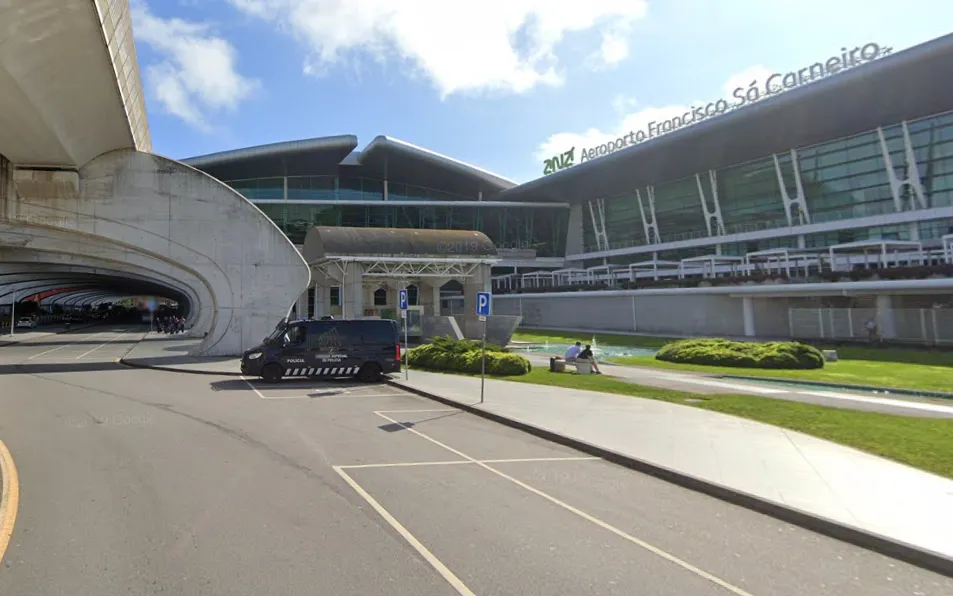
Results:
<point x="931" y="326"/>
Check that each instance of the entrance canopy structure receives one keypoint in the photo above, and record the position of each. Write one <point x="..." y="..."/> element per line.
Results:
<point x="363" y="261"/>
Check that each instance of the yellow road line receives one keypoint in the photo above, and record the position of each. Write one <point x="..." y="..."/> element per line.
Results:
<point x="9" y="498"/>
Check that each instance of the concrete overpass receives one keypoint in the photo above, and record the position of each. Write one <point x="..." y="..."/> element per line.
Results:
<point x="86" y="207"/>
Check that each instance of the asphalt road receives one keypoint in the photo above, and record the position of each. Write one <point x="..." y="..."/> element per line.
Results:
<point x="146" y="482"/>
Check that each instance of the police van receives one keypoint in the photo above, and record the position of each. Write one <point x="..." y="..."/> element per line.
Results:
<point x="365" y="349"/>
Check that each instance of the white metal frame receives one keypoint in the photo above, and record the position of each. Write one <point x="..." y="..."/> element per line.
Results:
<point x="708" y="261"/>
<point x="948" y="248"/>
<point x="402" y="268"/>
<point x="509" y="281"/>
<point x="537" y="277"/>
<point x="571" y="274"/>
<point x="863" y="247"/>
<point x="610" y="271"/>
<point x="671" y="267"/>
<point x="782" y="258"/>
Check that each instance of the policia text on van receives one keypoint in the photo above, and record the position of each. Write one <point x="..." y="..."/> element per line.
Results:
<point x="365" y="349"/>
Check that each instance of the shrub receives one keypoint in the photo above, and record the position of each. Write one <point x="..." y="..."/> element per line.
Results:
<point x="723" y="352"/>
<point x="467" y="356"/>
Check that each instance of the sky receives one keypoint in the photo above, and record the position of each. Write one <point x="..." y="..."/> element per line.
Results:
<point x="501" y="84"/>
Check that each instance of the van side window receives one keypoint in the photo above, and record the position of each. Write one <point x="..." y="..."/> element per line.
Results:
<point x="349" y="336"/>
<point x="295" y="335"/>
<point x="378" y="334"/>
<point x="322" y="337"/>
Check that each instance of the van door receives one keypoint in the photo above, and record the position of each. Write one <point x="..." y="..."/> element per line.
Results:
<point x="331" y="349"/>
<point x="294" y="355"/>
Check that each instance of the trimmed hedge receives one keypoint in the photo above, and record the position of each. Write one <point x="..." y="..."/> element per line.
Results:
<point x="723" y="352"/>
<point x="466" y="356"/>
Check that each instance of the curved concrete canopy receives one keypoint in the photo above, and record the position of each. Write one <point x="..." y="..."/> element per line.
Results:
<point x="20" y="265"/>
<point x="69" y="82"/>
<point x="138" y="213"/>
<point x="324" y="242"/>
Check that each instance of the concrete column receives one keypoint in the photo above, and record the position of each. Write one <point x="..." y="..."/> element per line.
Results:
<point x="428" y="295"/>
<point x="322" y="300"/>
<point x="352" y="291"/>
<point x="574" y="231"/>
<point x="301" y="306"/>
<point x="801" y="241"/>
<point x="481" y="281"/>
<point x="747" y="306"/>
<point x="886" y="319"/>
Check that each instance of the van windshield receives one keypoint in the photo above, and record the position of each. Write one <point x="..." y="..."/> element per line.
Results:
<point x="279" y="330"/>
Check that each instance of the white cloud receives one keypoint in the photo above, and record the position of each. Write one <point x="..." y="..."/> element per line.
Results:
<point x="197" y="74"/>
<point x="641" y="120"/>
<point x="500" y="45"/>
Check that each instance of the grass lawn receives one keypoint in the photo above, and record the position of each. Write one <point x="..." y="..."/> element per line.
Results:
<point x="925" y="443"/>
<point x="902" y="368"/>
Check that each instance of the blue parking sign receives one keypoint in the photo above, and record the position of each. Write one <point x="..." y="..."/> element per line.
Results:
<point x="402" y="299"/>
<point x="483" y="304"/>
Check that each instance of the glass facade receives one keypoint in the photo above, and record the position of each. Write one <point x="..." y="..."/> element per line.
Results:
<point x="842" y="179"/>
<point x="540" y="228"/>
<point x="336" y="188"/>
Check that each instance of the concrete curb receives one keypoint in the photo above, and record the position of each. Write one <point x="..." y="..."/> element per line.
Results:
<point x="843" y="386"/>
<point x="901" y="551"/>
<point x="134" y="364"/>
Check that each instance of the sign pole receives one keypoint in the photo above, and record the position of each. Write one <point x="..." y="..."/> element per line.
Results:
<point x="403" y="303"/>
<point x="483" y="311"/>
<point x="483" y="363"/>
<point x="13" y="314"/>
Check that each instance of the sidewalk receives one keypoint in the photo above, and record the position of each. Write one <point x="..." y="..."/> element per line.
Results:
<point x="171" y="352"/>
<point x="832" y="489"/>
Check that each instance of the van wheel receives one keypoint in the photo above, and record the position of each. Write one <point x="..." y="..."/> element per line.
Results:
<point x="369" y="373"/>
<point x="272" y="373"/>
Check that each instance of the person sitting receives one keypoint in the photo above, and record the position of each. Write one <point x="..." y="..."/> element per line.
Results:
<point x="573" y="352"/>
<point x="587" y="355"/>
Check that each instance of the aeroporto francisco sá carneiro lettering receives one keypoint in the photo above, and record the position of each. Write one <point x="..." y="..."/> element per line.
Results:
<point x="741" y="97"/>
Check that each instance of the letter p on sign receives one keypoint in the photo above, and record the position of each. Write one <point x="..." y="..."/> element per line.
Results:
<point x="483" y="304"/>
<point x="402" y="299"/>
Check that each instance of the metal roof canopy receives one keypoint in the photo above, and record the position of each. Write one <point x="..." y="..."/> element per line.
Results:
<point x="384" y="158"/>
<point x="401" y="162"/>
<point x="398" y="253"/>
<point x="318" y="156"/>
<point x="828" y="109"/>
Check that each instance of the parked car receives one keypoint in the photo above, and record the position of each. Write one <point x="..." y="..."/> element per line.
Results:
<point x="26" y="323"/>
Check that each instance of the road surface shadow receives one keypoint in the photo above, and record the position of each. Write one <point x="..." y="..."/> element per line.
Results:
<point x="39" y="368"/>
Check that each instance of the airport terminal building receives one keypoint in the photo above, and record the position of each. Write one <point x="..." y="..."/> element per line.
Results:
<point x="786" y="198"/>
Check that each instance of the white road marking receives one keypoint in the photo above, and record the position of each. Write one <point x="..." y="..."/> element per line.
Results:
<point x="416" y="411"/>
<point x="334" y="393"/>
<point x="252" y="387"/>
<point x="880" y="401"/>
<point x="466" y="461"/>
<point x="101" y="345"/>
<point x="442" y="569"/>
<point x="649" y="547"/>
<point x="61" y="347"/>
